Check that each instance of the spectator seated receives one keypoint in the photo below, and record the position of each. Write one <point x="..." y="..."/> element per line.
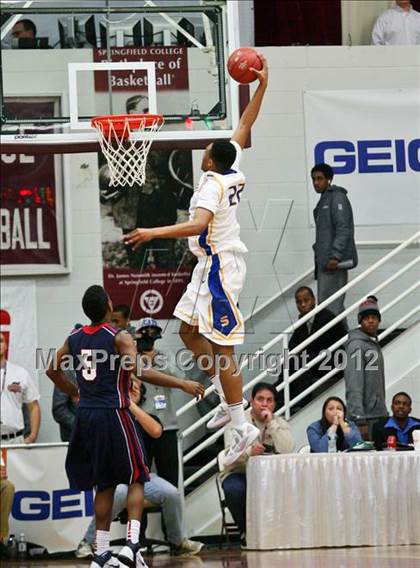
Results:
<point x="400" y="424"/>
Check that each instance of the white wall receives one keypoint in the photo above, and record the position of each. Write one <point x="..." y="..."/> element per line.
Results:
<point x="275" y="170"/>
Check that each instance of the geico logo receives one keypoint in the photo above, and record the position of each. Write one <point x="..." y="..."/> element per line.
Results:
<point x="369" y="156"/>
<point x="59" y="504"/>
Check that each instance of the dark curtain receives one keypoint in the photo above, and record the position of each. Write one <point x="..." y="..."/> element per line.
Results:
<point x="297" y="22"/>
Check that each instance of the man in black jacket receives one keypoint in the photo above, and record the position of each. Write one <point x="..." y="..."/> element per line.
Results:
<point x="400" y="424"/>
<point x="64" y="409"/>
<point x="305" y="303"/>
<point x="334" y="248"/>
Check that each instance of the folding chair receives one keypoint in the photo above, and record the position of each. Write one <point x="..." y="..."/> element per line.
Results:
<point x="229" y="528"/>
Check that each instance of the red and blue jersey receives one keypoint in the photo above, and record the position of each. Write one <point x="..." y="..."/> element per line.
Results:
<point x="102" y="382"/>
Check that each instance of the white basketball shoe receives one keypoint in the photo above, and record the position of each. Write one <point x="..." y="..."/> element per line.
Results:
<point x="222" y="415"/>
<point x="242" y="438"/>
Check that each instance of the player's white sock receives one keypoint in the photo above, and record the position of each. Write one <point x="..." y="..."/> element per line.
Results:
<point x="237" y="414"/>
<point x="133" y="531"/>
<point x="215" y="379"/>
<point x="102" y="541"/>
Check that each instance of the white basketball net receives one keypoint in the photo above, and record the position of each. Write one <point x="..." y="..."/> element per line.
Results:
<point x="127" y="156"/>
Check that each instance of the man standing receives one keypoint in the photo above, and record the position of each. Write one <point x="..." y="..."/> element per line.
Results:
<point x="274" y="437"/>
<point x="64" y="409"/>
<point x="335" y="249"/>
<point x="121" y="318"/>
<point x="400" y="25"/>
<point x="105" y="449"/>
<point x="159" y="401"/>
<point x="364" y="374"/>
<point x="17" y="389"/>
<point x="400" y="424"/>
<point x="157" y="491"/>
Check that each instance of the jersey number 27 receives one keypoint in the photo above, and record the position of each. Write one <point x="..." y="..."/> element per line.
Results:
<point x="235" y="194"/>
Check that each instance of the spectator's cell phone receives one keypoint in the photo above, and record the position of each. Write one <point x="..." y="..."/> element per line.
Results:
<point x="268" y="449"/>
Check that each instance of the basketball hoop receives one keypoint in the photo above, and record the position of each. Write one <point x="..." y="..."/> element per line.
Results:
<point x="127" y="154"/>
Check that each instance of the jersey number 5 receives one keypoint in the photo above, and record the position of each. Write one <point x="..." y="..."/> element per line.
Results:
<point x="235" y="194"/>
<point x="88" y="373"/>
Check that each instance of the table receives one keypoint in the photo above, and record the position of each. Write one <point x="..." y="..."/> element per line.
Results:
<point x="343" y="499"/>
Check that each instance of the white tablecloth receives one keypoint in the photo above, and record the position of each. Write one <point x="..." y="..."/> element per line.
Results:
<point x="350" y="499"/>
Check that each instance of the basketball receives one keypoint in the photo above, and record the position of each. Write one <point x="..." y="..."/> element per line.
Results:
<point x="240" y="62"/>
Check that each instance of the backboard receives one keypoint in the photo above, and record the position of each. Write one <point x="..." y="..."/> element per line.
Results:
<point x="105" y="57"/>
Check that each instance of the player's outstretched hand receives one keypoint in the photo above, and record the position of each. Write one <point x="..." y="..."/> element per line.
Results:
<point x="193" y="388"/>
<point x="137" y="237"/>
<point x="262" y="74"/>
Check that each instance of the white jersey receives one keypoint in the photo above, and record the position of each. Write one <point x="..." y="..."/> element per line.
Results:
<point x="220" y="194"/>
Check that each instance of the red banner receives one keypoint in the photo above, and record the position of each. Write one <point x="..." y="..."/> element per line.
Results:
<point x="152" y="293"/>
<point x="171" y="68"/>
<point x="28" y="224"/>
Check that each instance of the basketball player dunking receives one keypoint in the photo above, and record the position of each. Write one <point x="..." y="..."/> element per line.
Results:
<point x="211" y="321"/>
<point x="104" y="449"/>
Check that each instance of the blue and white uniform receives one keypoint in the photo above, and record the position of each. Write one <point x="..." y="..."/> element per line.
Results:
<point x="105" y="448"/>
<point x="211" y="298"/>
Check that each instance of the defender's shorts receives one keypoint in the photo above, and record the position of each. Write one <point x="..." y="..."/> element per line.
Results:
<point x="211" y="298"/>
<point x="105" y="450"/>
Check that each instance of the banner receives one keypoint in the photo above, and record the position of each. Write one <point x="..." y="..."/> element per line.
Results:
<point x="371" y="139"/>
<point x="45" y="510"/>
<point x="151" y="279"/>
<point x="31" y="204"/>
<point x="171" y="68"/>
<point x="18" y="322"/>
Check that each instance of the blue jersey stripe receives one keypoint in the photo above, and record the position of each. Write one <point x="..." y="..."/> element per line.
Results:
<point x="202" y="241"/>
<point x="224" y="319"/>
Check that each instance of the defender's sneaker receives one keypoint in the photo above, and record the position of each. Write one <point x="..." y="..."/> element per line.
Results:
<point x="131" y="556"/>
<point x="104" y="560"/>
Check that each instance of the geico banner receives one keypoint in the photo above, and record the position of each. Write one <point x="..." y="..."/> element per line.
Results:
<point x="44" y="508"/>
<point x="371" y="139"/>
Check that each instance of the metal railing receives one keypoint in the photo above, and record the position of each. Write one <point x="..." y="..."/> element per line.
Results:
<point x="283" y="337"/>
<point x="408" y="243"/>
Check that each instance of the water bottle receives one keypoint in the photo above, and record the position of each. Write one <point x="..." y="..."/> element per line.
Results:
<point x="12" y="547"/>
<point x="22" y="547"/>
<point x="332" y="442"/>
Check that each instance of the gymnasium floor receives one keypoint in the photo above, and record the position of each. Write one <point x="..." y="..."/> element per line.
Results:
<point x="367" y="557"/>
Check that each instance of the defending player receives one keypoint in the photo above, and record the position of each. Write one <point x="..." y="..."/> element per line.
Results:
<point x="104" y="449"/>
<point x="211" y="321"/>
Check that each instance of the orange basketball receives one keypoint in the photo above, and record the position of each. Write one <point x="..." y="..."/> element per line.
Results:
<point x="240" y="62"/>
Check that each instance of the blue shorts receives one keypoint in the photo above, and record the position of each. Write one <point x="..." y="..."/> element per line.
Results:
<point x="105" y="450"/>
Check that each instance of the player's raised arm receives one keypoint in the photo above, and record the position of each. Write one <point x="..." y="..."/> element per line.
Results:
<point x="162" y="379"/>
<point x="57" y="376"/>
<point x="252" y="109"/>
